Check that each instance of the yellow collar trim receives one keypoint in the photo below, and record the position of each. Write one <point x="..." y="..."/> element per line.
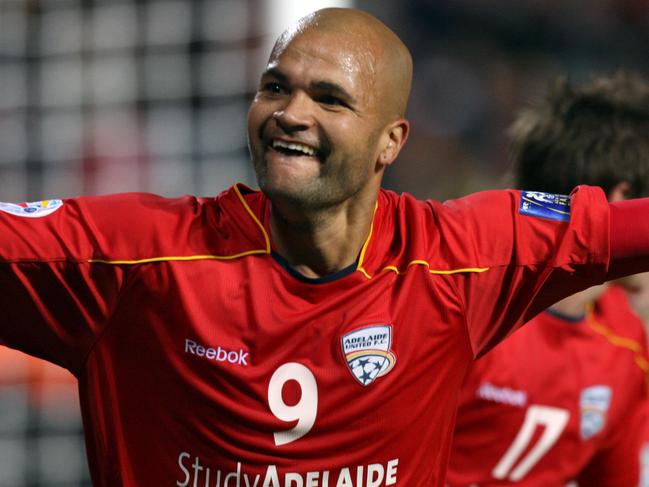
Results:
<point x="255" y="219"/>
<point x="361" y="258"/>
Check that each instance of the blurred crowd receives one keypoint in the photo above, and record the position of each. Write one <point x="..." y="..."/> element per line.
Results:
<point x="477" y="62"/>
<point x="134" y="95"/>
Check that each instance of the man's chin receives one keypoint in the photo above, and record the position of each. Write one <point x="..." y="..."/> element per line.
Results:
<point x="282" y="192"/>
<point x="296" y="196"/>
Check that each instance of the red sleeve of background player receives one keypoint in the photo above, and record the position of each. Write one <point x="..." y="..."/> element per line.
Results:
<point x="522" y="260"/>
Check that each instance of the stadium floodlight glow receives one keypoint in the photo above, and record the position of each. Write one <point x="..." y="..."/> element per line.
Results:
<point x="276" y="16"/>
<point x="282" y="13"/>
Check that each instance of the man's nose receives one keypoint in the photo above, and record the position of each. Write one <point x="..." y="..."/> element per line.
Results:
<point x="296" y="114"/>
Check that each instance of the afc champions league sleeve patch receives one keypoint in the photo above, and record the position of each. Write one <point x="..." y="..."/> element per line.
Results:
<point x="34" y="209"/>
<point x="367" y="353"/>
<point x="545" y="205"/>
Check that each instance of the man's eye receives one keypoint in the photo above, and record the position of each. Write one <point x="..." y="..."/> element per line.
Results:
<point x="331" y="100"/>
<point x="274" y="88"/>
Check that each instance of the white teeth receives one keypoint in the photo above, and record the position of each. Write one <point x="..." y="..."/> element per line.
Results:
<point x="309" y="151"/>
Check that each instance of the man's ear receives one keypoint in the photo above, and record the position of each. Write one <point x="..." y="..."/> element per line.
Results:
<point x="619" y="192"/>
<point x="394" y="138"/>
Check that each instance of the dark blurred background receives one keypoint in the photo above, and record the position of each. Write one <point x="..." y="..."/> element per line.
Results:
<point x="125" y="95"/>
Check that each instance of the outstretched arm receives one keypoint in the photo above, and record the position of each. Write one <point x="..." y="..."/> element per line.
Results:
<point x="629" y="237"/>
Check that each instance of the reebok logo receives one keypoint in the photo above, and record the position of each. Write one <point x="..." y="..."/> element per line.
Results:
<point x="502" y="395"/>
<point x="218" y="354"/>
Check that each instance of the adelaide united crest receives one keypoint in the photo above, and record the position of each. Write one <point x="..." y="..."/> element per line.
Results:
<point x="594" y="404"/>
<point x="367" y="352"/>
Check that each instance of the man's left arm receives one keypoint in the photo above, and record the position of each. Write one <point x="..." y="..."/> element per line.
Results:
<point x="629" y="237"/>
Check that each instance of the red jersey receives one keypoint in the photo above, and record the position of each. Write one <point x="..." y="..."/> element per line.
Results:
<point x="557" y="401"/>
<point x="644" y="457"/>
<point x="203" y="359"/>
<point x="644" y="452"/>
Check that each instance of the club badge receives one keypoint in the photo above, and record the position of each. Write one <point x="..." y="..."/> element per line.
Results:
<point x="367" y="352"/>
<point x="594" y="403"/>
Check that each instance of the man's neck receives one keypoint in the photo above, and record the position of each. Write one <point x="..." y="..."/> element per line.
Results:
<point x="320" y="243"/>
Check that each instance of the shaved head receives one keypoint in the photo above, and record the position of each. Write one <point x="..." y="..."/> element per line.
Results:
<point x="367" y="46"/>
<point x="328" y="116"/>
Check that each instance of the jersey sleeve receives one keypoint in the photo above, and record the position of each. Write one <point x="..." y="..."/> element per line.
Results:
<point x="518" y="261"/>
<point x="58" y="290"/>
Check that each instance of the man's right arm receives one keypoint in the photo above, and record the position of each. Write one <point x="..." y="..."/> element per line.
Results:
<point x="54" y="301"/>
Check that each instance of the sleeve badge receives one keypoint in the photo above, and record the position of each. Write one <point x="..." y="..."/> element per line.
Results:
<point x="34" y="209"/>
<point x="545" y="205"/>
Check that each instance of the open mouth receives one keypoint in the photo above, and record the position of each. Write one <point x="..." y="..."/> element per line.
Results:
<point x="294" y="149"/>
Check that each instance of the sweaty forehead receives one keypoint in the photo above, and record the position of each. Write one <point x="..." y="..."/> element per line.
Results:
<point x="355" y="45"/>
<point x="346" y="55"/>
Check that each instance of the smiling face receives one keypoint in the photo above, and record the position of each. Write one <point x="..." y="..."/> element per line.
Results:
<point x="312" y="127"/>
<point x="317" y="128"/>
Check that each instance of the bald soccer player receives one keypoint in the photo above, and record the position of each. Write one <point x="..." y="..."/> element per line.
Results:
<point x="313" y="333"/>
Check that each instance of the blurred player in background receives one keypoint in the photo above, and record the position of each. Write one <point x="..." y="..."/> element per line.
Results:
<point x="563" y="398"/>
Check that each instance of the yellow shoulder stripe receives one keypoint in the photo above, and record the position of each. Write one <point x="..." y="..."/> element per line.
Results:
<point x="177" y="258"/>
<point x="443" y="272"/>
<point x="200" y="257"/>
<point x="361" y="260"/>
<point x="621" y="342"/>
